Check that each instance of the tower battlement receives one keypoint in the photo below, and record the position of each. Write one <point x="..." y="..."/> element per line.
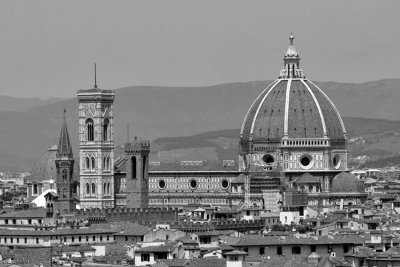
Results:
<point x="137" y="147"/>
<point x="140" y="215"/>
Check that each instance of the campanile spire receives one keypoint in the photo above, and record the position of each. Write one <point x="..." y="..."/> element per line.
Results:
<point x="64" y="144"/>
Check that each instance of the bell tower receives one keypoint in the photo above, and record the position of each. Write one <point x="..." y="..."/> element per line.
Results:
<point x="64" y="161"/>
<point x="96" y="148"/>
<point x="137" y="174"/>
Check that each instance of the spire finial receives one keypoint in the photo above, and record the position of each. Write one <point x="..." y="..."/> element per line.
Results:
<point x="291" y="38"/>
<point x="95" y="76"/>
<point x="127" y="128"/>
<point x="65" y="111"/>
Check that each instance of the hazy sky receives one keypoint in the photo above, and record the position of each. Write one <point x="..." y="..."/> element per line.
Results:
<point x="48" y="47"/>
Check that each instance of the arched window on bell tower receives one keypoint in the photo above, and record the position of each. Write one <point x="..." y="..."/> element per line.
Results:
<point x="87" y="189"/>
<point x="133" y="167"/>
<point x="89" y="130"/>
<point x="87" y="163"/>
<point x="105" y="129"/>
<point x="64" y="175"/>
<point x="93" y="189"/>
<point x="93" y="164"/>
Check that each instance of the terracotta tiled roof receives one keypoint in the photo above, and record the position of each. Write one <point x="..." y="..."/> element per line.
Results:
<point x="130" y="228"/>
<point x="201" y="262"/>
<point x="162" y="248"/>
<point x="307" y="178"/>
<point x="80" y="248"/>
<point x="25" y="214"/>
<point x="237" y="252"/>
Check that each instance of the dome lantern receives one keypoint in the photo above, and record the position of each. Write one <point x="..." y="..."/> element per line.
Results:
<point x="291" y="62"/>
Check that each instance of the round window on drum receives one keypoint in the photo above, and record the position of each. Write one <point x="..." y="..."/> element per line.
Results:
<point x="268" y="158"/>
<point x="193" y="184"/>
<point x="306" y="161"/>
<point x="161" y="184"/>
<point x="224" y="184"/>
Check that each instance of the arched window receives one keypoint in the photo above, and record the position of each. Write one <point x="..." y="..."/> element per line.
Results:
<point x="35" y="189"/>
<point x="144" y="167"/>
<point x="106" y="163"/>
<point x="87" y="163"/>
<point x="64" y="193"/>
<point x="133" y="162"/>
<point x="108" y="189"/>
<point x="87" y="189"/>
<point x="93" y="164"/>
<point x="105" y="130"/>
<point x="93" y="189"/>
<point x="89" y="130"/>
<point x="64" y="174"/>
<point x="104" y="189"/>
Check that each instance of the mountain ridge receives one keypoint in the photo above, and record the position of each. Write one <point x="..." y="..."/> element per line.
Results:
<point x="154" y="111"/>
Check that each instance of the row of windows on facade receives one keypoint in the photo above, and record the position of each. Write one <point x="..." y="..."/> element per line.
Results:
<point x="79" y="238"/>
<point x="90" y="163"/>
<point x="145" y="257"/>
<point x="14" y="221"/>
<point x="5" y="240"/>
<point x="188" y="201"/>
<point x="296" y="250"/>
<point x="89" y="126"/>
<point x="91" y="189"/>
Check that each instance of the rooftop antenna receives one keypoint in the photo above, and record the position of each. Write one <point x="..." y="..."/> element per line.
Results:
<point x="95" y="76"/>
<point x="65" y="111"/>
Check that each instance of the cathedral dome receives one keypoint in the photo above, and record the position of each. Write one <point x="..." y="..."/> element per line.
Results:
<point x="346" y="183"/>
<point x="292" y="107"/>
<point x="45" y="167"/>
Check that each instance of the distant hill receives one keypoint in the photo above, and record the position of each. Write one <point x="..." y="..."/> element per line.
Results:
<point x="8" y="103"/>
<point x="155" y="112"/>
<point x="381" y="138"/>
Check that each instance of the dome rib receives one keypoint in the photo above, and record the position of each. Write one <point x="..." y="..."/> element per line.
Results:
<point x="267" y="89"/>
<point x="303" y="111"/>
<point x="286" y="121"/>
<point x="271" y="120"/>
<point x="332" y="106"/>
<point x="318" y="107"/>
